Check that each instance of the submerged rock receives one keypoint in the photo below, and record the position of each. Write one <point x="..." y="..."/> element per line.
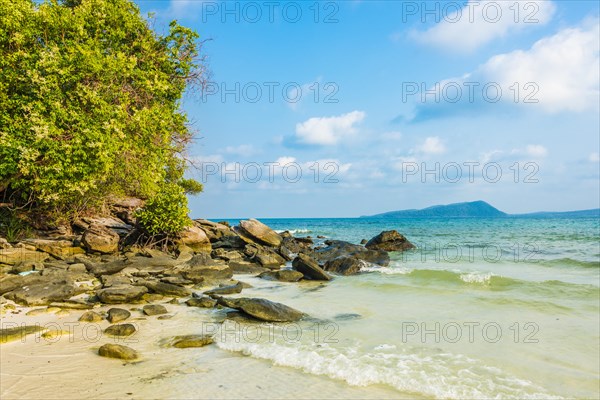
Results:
<point x="118" y="351"/>
<point x="18" y="333"/>
<point x="389" y="241"/>
<point x="310" y="268"/>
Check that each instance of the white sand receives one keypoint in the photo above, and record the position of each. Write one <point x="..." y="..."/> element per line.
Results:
<point x="70" y="368"/>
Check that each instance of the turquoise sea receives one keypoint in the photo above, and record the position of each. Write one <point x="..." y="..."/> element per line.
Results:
<point x="483" y="308"/>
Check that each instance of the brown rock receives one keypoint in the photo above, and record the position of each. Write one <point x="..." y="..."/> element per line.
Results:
<point x="101" y="239"/>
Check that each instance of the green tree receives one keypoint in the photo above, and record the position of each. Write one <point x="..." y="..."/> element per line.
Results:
<point x="90" y="105"/>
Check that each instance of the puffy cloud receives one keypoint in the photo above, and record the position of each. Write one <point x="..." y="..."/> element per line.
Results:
<point x="480" y="22"/>
<point x="328" y="131"/>
<point x="244" y="150"/>
<point x="536" y="150"/>
<point x="431" y="145"/>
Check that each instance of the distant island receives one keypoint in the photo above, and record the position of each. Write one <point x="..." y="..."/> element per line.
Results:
<point x="479" y="209"/>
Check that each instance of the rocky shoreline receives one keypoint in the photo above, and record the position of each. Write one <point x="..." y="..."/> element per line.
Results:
<point x="92" y="270"/>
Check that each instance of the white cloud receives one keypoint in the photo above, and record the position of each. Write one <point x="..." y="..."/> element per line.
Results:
<point x="479" y="22"/>
<point x="564" y="67"/>
<point x="191" y="9"/>
<point x="431" y="145"/>
<point x="594" y="157"/>
<point x="536" y="150"/>
<point x="328" y="131"/>
<point x="244" y="150"/>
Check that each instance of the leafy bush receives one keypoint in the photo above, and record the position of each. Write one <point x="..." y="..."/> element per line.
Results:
<point x="166" y="212"/>
<point x="90" y="104"/>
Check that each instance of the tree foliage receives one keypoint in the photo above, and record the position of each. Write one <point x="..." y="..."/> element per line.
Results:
<point x="90" y="100"/>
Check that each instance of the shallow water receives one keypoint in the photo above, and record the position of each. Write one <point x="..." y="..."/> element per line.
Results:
<point x="497" y="308"/>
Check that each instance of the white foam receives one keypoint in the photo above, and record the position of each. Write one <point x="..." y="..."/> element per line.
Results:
<point x="477" y="277"/>
<point x="387" y="270"/>
<point x="438" y="375"/>
<point x="294" y="231"/>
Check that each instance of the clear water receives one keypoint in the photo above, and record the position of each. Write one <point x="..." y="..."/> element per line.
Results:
<point x="484" y="308"/>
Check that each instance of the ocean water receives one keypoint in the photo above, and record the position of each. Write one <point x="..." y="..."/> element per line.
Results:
<point x="483" y="308"/>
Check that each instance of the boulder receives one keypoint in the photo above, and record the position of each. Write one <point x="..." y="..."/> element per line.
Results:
<point x="266" y="257"/>
<point x="117" y="314"/>
<point x="389" y="241"/>
<point x="196" y="239"/>
<point x="154" y="309"/>
<point x="246" y="267"/>
<point x="259" y="232"/>
<point x="16" y="255"/>
<point x="202" y="267"/>
<point x="310" y="268"/>
<point x="262" y="309"/>
<point x="121" y="294"/>
<point x="185" y="341"/>
<point x="108" y="268"/>
<point x="90" y="316"/>
<point x="344" y="265"/>
<point x="121" y="352"/>
<point x="98" y="238"/>
<point x="120" y="330"/>
<point x="340" y="248"/>
<point x="284" y="275"/>
<point x="213" y="230"/>
<point x="18" y="333"/>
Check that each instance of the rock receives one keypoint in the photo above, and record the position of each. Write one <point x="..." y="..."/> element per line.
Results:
<point x="108" y="268"/>
<point x="4" y="244"/>
<point x="41" y="311"/>
<point x="18" y="333"/>
<point x="176" y="280"/>
<point x="231" y="289"/>
<point x="114" y="280"/>
<point x="72" y="305"/>
<point x="152" y="297"/>
<point x="264" y="256"/>
<point x="16" y="255"/>
<point x="120" y="330"/>
<point x="284" y="275"/>
<point x="61" y="249"/>
<point x="364" y="241"/>
<point x="117" y="314"/>
<point x="228" y="255"/>
<point x="121" y="352"/>
<point x="196" y="239"/>
<point x="77" y="268"/>
<point x="154" y="309"/>
<point x="259" y="232"/>
<point x="121" y="294"/>
<point x="264" y="310"/>
<point x="310" y="268"/>
<point x="246" y="267"/>
<point x="202" y="267"/>
<point x="167" y="289"/>
<point x="214" y="231"/>
<point x="344" y="265"/>
<point x="339" y="248"/>
<point x="100" y="239"/>
<point x="90" y="316"/>
<point x="42" y="293"/>
<point x="204" y="302"/>
<point x="297" y="245"/>
<point x="26" y="266"/>
<point x="389" y="241"/>
<point x="185" y="341"/>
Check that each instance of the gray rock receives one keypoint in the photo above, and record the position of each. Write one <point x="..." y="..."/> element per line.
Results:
<point x="231" y="289"/>
<point x="246" y="267"/>
<point x="117" y="314"/>
<point x="118" y="351"/>
<point x="42" y="293"/>
<point x="121" y="294"/>
<point x="284" y="275"/>
<point x="339" y="248"/>
<point x="310" y="268"/>
<point x="167" y="289"/>
<point x="344" y="265"/>
<point x="154" y="309"/>
<point x="389" y="241"/>
<point x="120" y="330"/>
<point x="262" y="309"/>
<point x="109" y="268"/>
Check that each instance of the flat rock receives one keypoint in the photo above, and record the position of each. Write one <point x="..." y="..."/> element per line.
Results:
<point x="310" y="268"/>
<point x="154" y="309"/>
<point x="121" y="352"/>
<point x="340" y="248"/>
<point x="42" y="293"/>
<point x="117" y="315"/>
<point x="120" y="330"/>
<point x="284" y="275"/>
<point x="186" y="341"/>
<point x="61" y="249"/>
<point x="202" y="302"/>
<point x="167" y="289"/>
<point x="13" y="256"/>
<point x="262" y="309"/>
<point x="230" y="289"/>
<point x="18" y="333"/>
<point x="121" y="294"/>
<point x="109" y="268"/>
<point x="389" y="241"/>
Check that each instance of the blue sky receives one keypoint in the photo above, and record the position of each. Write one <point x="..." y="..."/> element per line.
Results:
<point x="392" y="105"/>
